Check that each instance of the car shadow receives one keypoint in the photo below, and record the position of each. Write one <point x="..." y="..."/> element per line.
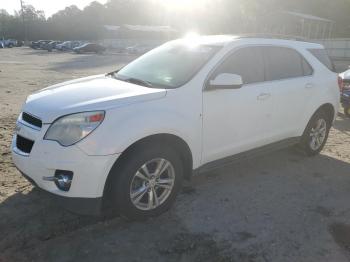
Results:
<point x="274" y="188"/>
<point x="342" y="123"/>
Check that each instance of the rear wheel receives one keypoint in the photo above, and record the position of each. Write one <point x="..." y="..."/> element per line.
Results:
<point x="316" y="133"/>
<point x="147" y="183"/>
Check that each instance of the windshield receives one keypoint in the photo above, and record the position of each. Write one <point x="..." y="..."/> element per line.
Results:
<point x="168" y="66"/>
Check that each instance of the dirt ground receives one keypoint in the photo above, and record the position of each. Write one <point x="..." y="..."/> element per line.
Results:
<point x="278" y="207"/>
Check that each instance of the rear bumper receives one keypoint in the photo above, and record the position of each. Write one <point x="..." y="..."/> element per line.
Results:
<point x="78" y="205"/>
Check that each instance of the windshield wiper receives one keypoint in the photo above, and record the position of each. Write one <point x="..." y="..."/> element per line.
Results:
<point x="130" y="79"/>
<point x="138" y="82"/>
<point x="112" y="73"/>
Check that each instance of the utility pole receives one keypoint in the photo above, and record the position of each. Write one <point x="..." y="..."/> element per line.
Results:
<point x="2" y="27"/>
<point x="24" y="24"/>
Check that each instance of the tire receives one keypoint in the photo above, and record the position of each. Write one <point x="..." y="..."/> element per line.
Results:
<point x="347" y="111"/>
<point x="307" y="143"/>
<point x="125" y="182"/>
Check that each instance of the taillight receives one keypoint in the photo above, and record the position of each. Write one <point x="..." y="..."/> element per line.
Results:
<point x="340" y="84"/>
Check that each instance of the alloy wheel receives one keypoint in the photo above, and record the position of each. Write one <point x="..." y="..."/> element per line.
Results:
<point x="318" y="134"/>
<point x="152" y="184"/>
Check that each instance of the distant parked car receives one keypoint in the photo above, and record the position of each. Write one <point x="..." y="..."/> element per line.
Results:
<point x="44" y="43"/>
<point x="35" y="44"/>
<point x="51" y="45"/>
<point x="69" y="45"/>
<point x="345" y="77"/>
<point x="39" y="44"/>
<point x="9" y="43"/>
<point x="19" y="43"/>
<point x="89" y="48"/>
<point x="345" y="101"/>
<point x="118" y="49"/>
<point x="138" y="49"/>
<point x="345" y="91"/>
<point x="63" y="46"/>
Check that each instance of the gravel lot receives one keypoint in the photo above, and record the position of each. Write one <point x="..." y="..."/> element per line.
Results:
<point x="278" y="207"/>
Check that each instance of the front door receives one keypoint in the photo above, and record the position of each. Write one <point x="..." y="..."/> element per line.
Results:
<point x="236" y="120"/>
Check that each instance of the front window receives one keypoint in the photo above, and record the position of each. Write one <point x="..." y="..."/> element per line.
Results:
<point x="168" y="66"/>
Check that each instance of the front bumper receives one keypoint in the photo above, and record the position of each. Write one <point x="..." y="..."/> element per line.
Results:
<point x="78" y="205"/>
<point x="89" y="171"/>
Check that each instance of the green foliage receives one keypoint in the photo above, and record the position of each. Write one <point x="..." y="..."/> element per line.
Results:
<point x="212" y="16"/>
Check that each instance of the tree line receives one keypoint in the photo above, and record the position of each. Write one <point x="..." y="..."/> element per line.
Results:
<point x="210" y="17"/>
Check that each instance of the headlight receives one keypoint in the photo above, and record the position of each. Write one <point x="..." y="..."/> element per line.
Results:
<point x="70" y="129"/>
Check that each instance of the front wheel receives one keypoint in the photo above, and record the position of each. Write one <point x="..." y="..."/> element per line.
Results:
<point x="147" y="182"/>
<point x="316" y="134"/>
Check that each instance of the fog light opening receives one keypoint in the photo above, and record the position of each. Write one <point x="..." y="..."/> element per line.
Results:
<point x="63" y="179"/>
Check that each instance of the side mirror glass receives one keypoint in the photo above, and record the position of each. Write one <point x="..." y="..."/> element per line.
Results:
<point x="226" y="81"/>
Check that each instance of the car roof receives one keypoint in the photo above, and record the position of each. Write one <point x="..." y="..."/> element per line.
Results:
<point x="216" y="40"/>
<point x="225" y="40"/>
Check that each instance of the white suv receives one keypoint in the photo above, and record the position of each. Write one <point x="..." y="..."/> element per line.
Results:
<point x="129" y="138"/>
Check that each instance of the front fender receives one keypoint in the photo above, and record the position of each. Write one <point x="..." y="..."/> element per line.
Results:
<point x="124" y="126"/>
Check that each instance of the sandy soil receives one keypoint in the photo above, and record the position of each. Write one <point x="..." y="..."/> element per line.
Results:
<point x="278" y="207"/>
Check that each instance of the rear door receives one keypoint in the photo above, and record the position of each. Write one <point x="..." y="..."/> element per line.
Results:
<point x="290" y="78"/>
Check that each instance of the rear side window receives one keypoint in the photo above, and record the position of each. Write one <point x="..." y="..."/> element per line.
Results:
<point x="282" y="63"/>
<point x="322" y="56"/>
<point x="246" y="62"/>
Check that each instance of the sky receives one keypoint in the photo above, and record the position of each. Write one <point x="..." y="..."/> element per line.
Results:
<point x="48" y="6"/>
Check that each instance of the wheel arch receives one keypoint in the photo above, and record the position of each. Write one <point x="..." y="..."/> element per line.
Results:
<point x="174" y="141"/>
<point x="328" y="108"/>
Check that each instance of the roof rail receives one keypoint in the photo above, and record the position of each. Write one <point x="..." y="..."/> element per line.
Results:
<point x="274" y="36"/>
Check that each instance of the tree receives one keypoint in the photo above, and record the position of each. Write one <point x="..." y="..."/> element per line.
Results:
<point x="209" y="17"/>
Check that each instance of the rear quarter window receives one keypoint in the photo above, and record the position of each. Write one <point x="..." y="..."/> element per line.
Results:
<point x="322" y="56"/>
<point x="283" y="63"/>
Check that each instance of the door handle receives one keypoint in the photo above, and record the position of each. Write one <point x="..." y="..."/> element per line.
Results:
<point x="309" y="85"/>
<point x="263" y="96"/>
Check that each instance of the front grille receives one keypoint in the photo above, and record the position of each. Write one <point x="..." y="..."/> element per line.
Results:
<point x="24" y="144"/>
<point x="32" y="120"/>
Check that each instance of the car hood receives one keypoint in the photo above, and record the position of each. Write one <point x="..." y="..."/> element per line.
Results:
<point x="98" y="92"/>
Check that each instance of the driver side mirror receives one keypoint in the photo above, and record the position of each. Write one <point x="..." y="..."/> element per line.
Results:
<point x="226" y="81"/>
